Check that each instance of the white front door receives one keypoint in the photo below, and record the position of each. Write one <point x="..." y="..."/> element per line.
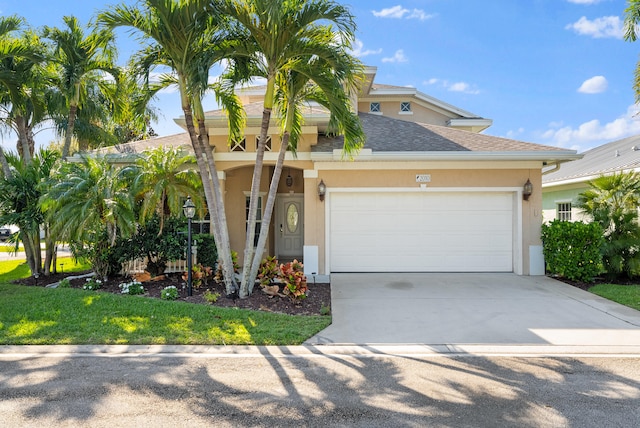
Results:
<point x="289" y="226"/>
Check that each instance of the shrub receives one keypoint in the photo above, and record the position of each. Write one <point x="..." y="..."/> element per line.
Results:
<point x="158" y="248"/>
<point x="573" y="249"/>
<point x="207" y="251"/>
<point x="211" y="297"/>
<point x="199" y="275"/>
<point x="269" y="270"/>
<point x="236" y="266"/>
<point x="133" y="288"/>
<point x="92" y="284"/>
<point x="65" y="283"/>
<point x="294" y="280"/>
<point x="169" y="293"/>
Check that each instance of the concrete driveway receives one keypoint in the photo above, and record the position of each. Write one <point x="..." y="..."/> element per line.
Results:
<point x="478" y="309"/>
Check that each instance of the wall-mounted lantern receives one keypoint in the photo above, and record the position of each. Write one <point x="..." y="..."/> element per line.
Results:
<point x="527" y="190"/>
<point x="322" y="190"/>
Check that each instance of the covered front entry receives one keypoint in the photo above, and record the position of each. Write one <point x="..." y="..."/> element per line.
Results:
<point x="421" y="231"/>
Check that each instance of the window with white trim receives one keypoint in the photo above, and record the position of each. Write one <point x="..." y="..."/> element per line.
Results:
<point x="267" y="146"/>
<point x="374" y="107"/>
<point x="563" y="211"/>
<point x="239" y="145"/>
<point x="405" y="107"/>
<point x="256" y="233"/>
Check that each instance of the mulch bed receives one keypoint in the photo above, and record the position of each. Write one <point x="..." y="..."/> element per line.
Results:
<point x="587" y="285"/>
<point x="318" y="300"/>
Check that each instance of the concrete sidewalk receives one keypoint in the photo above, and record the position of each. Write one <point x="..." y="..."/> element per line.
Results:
<point x="459" y="310"/>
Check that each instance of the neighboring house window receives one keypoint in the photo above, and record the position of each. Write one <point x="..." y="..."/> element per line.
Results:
<point x="405" y="107"/>
<point x="563" y="211"/>
<point x="267" y="146"/>
<point x="256" y="233"/>
<point x="374" y="108"/>
<point x="239" y="146"/>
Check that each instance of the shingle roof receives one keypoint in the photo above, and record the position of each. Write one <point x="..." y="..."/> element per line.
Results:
<point x="386" y="134"/>
<point x="176" y="140"/>
<point x="620" y="155"/>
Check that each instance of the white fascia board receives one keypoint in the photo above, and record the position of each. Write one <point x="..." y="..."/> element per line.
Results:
<point x="251" y="156"/>
<point x="369" y="155"/>
<point x="470" y="122"/>
<point x="585" y="178"/>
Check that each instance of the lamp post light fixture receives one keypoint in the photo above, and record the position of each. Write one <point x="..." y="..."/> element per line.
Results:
<point x="322" y="190"/>
<point x="36" y="275"/>
<point x="527" y="190"/>
<point x="189" y="211"/>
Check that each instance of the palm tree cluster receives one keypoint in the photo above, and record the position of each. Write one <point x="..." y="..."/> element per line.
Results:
<point x="68" y="76"/>
<point x="612" y="201"/>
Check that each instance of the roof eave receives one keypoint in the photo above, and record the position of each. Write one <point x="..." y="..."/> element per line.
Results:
<point x="368" y="154"/>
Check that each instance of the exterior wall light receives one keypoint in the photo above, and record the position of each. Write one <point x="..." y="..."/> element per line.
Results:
<point x="322" y="190"/>
<point x="527" y="190"/>
<point x="289" y="180"/>
<point x="189" y="211"/>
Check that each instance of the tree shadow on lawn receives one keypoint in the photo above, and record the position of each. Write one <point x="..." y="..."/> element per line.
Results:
<point x="271" y="389"/>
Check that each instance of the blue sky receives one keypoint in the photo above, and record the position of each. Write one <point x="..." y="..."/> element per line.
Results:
<point x="553" y="72"/>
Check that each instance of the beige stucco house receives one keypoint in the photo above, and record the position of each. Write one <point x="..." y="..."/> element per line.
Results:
<point x="427" y="193"/>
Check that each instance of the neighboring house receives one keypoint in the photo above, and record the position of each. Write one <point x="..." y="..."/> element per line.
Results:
<point x="427" y="193"/>
<point x="560" y="189"/>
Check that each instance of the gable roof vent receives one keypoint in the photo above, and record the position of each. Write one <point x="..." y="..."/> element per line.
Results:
<point x="617" y="153"/>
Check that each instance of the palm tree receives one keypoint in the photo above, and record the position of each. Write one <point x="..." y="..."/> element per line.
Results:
<point x="25" y="81"/>
<point x="82" y="59"/>
<point x="612" y="201"/>
<point x="278" y="34"/>
<point x="293" y="90"/>
<point x="163" y="178"/>
<point x="90" y="205"/>
<point x="20" y="191"/>
<point x="180" y="32"/>
<point x="631" y="23"/>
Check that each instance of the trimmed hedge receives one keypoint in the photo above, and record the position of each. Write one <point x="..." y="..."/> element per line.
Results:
<point x="573" y="249"/>
<point x="207" y="251"/>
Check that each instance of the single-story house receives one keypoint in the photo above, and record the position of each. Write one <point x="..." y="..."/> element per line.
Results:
<point x="560" y="188"/>
<point x="427" y="193"/>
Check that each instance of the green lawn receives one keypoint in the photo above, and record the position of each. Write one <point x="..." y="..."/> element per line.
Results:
<point x="37" y="315"/>
<point x="628" y="295"/>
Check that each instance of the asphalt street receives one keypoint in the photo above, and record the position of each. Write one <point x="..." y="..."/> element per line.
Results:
<point x="264" y="387"/>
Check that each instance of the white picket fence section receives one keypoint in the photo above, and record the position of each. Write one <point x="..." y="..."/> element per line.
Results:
<point x="138" y="265"/>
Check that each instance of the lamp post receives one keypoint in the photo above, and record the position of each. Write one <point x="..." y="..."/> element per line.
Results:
<point x="189" y="211"/>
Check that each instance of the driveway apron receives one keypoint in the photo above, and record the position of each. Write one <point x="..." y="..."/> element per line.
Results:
<point x="470" y="308"/>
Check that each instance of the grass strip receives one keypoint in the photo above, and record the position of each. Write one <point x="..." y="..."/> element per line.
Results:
<point x="36" y="315"/>
<point x="628" y="295"/>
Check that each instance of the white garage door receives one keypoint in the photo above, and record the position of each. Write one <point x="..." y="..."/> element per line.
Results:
<point x="421" y="232"/>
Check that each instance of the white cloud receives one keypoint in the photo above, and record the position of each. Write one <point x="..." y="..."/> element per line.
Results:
<point x="463" y="87"/>
<point x="595" y="85"/>
<point x="594" y="133"/>
<point x="397" y="57"/>
<point x="607" y="26"/>
<point x="359" y="51"/>
<point x="399" y="12"/>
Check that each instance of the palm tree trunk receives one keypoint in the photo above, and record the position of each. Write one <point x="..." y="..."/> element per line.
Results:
<point x="209" y="196"/>
<point x="5" y="165"/>
<point x="249" y="249"/>
<point x="69" y="133"/>
<point x="23" y="141"/>
<point x="268" y="210"/>
<point x="223" y="243"/>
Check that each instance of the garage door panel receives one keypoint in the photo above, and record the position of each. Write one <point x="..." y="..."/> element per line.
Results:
<point x="389" y="232"/>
